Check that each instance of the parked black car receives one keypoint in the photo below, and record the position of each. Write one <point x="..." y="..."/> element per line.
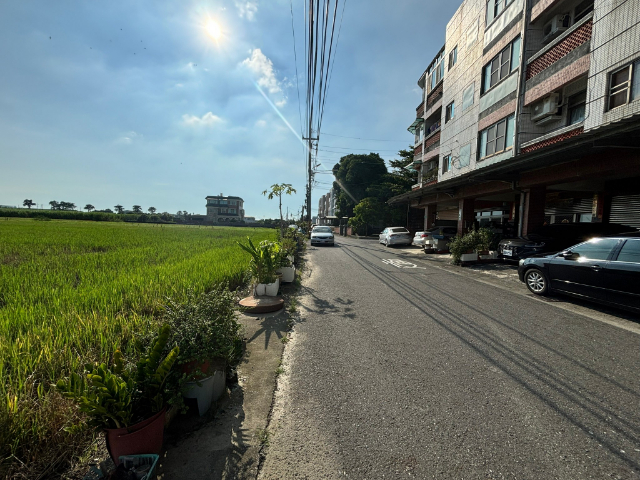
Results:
<point x="554" y="238"/>
<point x="604" y="269"/>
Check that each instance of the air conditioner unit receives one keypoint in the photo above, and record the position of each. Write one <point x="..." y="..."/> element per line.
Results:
<point x="546" y="110"/>
<point x="555" y="26"/>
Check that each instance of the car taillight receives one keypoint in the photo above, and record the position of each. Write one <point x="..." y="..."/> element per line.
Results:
<point x="424" y="235"/>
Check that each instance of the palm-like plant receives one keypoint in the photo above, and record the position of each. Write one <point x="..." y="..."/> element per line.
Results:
<point x="277" y="190"/>
<point x="265" y="260"/>
<point x="88" y="207"/>
<point x="119" y="208"/>
<point x="137" y="209"/>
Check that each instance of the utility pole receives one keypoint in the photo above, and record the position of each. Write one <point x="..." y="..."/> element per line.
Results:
<point x="310" y="141"/>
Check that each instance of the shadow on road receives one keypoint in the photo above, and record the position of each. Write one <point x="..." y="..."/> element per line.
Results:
<point x="536" y="372"/>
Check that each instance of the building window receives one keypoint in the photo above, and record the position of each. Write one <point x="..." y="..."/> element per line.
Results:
<point x="624" y="85"/>
<point x="453" y="57"/>
<point x="495" y="8"/>
<point x="464" y="156"/>
<point x="467" y="96"/>
<point x="232" y="210"/>
<point x="446" y="163"/>
<point x="501" y="65"/>
<point x="576" y="107"/>
<point x="450" y="112"/>
<point x="223" y="202"/>
<point x="497" y="138"/>
<point x="435" y="72"/>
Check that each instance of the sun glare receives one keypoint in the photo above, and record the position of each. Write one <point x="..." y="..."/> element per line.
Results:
<point x="214" y="30"/>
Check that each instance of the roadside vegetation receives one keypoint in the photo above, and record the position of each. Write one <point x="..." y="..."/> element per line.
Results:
<point x="72" y="293"/>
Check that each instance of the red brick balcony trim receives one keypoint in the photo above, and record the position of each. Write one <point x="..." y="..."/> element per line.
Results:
<point x="417" y="150"/>
<point x="552" y="140"/>
<point x="432" y="139"/>
<point x="420" y="110"/>
<point x="434" y="95"/>
<point x="572" y="41"/>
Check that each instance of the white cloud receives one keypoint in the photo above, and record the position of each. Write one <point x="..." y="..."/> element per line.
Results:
<point x="247" y="9"/>
<point x="207" y="120"/>
<point x="262" y="67"/>
<point x="261" y="123"/>
<point x="129" y="137"/>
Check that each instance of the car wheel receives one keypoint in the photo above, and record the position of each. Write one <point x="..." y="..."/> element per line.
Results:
<point x="536" y="281"/>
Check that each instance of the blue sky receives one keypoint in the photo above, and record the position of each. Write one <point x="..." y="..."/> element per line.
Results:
<point x="132" y="102"/>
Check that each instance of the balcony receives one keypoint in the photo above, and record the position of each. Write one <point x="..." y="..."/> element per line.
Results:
<point x="574" y="37"/>
<point x="420" y="110"/>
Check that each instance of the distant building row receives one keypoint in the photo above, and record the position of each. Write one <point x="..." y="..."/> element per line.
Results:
<point x="327" y="208"/>
<point x="530" y="114"/>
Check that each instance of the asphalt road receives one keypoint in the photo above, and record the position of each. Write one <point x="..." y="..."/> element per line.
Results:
<point x="402" y="372"/>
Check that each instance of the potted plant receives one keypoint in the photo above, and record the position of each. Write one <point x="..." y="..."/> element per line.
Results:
<point x="127" y="402"/>
<point x="207" y="333"/>
<point x="265" y="260"/>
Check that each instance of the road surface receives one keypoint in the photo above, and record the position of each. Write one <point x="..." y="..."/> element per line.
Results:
<point x="406" y="370"/>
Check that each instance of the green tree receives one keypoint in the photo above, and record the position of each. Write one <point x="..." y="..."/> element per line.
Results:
<point x="54" y="205"/>
<point x="88" y="207"/>
<point x="277" y="190"/>
<point x="356" y="176"/>
<point x="365" y="213"/>
<point x="28" y="203"/>
<point x="119" y="208"/>
<point x="151" y="210"/>
<point x="137" y="209"/>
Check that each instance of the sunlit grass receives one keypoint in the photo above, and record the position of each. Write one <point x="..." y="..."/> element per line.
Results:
<point x="72" y="292"/>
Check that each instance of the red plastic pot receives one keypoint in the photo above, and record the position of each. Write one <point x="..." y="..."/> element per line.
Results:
<point x="144" y="437"/>
<point x="194" y="365"/>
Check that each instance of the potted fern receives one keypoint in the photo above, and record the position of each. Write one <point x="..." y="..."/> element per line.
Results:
<point x="127" y="402"/>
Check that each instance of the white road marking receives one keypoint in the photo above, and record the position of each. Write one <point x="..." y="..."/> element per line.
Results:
<point x="401" y="263"/>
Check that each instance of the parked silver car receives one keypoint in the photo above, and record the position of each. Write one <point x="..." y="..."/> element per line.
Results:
<point x="395" y="236"/>
<point x="322" y="236"/>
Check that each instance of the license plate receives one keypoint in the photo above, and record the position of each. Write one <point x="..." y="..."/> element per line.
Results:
<point x="507" y="253"/>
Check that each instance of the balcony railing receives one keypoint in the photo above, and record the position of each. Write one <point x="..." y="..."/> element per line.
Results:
<point x="420" y="110"/>
<point x="577" y="35"/>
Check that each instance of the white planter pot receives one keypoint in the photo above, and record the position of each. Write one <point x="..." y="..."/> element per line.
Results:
<point x="271" y="289"/>
<point x="493" y="254"/>
<point x="288" y="274"/>
<point x="260" y="289"/>
<point x="206" y="390"/>
<point x="469" y="257"/>
<point x="291" y="258"/>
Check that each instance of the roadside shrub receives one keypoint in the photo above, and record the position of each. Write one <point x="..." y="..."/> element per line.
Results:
<point x="472" y="241"/>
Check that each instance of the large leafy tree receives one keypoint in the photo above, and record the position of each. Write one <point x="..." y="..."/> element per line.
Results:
<point x="355" y="175"/>
<point x="119" y="208"/>
<point x="28" y="203"/>
<point x="137" y="209"/>
<point x="277" y="190"/>
<point x="151" y="210"/>
<point x="88" y="207"/>
<point x="54" y="205"/>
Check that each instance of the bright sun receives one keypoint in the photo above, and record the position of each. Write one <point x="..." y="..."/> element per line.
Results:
<point x="214" y="29"/>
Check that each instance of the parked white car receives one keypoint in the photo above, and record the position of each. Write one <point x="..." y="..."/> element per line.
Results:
<point x="395" y="236"/>
<point x="322" y="236"/>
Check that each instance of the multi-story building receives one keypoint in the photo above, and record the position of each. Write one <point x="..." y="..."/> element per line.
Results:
<point x="221" y="209"/>
<point x="530" y="114"/>
<point x="327" y="208"/>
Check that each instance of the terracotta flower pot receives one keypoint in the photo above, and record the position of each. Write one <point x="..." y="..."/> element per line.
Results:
<point x="144" y="437"/>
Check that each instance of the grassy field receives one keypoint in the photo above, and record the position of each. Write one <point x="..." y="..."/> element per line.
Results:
<point x="72" y="292"/>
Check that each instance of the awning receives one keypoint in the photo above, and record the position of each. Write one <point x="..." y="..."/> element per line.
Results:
<point x="414" y="126"/>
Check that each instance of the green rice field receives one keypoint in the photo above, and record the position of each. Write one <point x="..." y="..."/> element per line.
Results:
<point x="72" y="292"/>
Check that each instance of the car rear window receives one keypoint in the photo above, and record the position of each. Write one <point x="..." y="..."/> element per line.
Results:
<point x="399" y="230"/>
<point x="322" y="230"/>
<point x="630" y="252"/>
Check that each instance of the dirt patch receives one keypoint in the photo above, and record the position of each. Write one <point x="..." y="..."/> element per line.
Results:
<point x="11" y="259"/>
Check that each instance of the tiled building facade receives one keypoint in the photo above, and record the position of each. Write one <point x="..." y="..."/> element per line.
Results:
<point x="530" y="114"/>
<point x="221" y="209"/>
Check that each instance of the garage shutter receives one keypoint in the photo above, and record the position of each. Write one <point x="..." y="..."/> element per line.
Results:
<point x="625" y="209"/>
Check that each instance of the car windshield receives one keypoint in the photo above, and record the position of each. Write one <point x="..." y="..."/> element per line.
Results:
<point x="399" y="230"/>
<point x="322" y="230"/>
